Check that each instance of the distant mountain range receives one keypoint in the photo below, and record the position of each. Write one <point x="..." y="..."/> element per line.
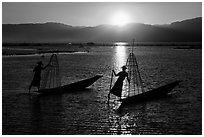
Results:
<point x="182" y="31"/>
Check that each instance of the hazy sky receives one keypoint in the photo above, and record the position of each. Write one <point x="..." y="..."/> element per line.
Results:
<point x="92" y="14"/>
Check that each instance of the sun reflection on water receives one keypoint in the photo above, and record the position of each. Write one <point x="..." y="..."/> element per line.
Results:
<point x="121" y="56"/>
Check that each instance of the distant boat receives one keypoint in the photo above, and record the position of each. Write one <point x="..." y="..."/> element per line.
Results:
<point x="80" y="85"/>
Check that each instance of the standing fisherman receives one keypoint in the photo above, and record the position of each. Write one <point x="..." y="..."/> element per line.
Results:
<point x="37" y="76"/>
<point x="117" y="88"/>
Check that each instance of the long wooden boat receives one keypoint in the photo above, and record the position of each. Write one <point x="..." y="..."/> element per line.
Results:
<point x="80" y="85"/>
<point x="151" y="95"/>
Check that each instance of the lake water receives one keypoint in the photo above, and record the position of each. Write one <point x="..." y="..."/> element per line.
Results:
<point x="86" y="112"/>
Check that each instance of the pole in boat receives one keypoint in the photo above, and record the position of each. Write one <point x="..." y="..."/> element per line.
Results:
<point x="110" y="84"/>
<point x="133" y="44"/>
<point x="136" y="84"/>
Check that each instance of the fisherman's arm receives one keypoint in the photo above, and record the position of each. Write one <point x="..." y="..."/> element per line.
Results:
<point x="114" y="73"/>
<point x="47" y="65"/>
<point x="128" y="79"/>
<point x="118" y="74"/>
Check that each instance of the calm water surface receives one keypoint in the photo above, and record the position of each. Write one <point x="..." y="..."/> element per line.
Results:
<point x="87" y="112"/>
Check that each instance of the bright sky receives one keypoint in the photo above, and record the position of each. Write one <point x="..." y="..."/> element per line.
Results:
<point x="92" y="14"/>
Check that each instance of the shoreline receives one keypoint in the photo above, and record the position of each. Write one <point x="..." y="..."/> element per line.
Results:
<point x="35" y="49"/>
<point x="42" y="54"/>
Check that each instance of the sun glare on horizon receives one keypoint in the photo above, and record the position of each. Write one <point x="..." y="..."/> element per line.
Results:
<point x="120" y="19"/>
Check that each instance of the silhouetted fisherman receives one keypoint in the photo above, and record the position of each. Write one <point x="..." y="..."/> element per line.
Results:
<point x="37" y="75"/>
<point x="118" y="86"/>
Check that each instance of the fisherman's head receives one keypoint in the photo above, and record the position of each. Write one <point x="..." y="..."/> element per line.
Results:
<point x="40" y="63"/>
<point x="124" y="68"/>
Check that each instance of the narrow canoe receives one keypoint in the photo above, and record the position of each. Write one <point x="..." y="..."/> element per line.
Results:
<point x="152" y="94"/>
<point x="80" y="85"/>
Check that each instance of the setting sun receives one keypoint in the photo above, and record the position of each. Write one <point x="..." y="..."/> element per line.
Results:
<point x="120" y="19"/>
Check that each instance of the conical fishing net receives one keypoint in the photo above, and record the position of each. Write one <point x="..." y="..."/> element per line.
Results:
<point x="135" y="87"/>
<point x="50" y="76"/>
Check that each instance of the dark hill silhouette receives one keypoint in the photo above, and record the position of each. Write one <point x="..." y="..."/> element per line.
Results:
<point x="182" y="31"/>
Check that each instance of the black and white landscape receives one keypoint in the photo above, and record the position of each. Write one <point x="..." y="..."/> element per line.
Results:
<point x="102" y="68"/>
